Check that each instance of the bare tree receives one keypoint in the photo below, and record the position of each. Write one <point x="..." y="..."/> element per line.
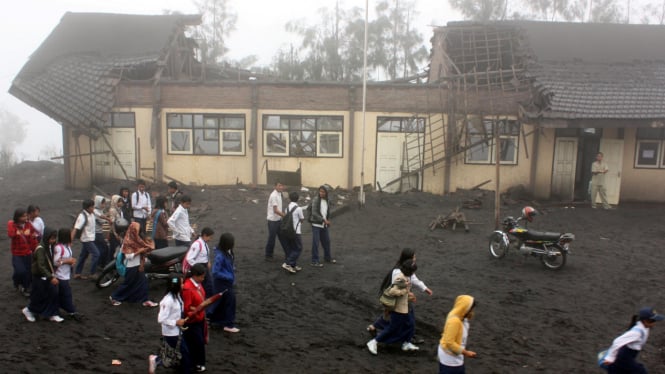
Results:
<point x="219" y="20"/>
<point x="13" y="130"/>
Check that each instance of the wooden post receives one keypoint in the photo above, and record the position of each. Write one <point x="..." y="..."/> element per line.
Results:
<point x="497" y="159"/>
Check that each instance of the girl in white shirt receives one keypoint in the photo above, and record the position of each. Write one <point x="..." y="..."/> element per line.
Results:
<point x="199" y="253"/>
<point x="63" y="260"/>
<point x="170" y="317"/>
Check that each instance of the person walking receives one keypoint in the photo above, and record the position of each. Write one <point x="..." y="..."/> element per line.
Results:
<point x="274" y="217"/>
<point x="320" y="220"/>
<point x="160" y="225"/>
<point x="100" y="241"/>
<point x="598" y="171"/>
<point x="199" y="253"/>
<point x="452" y="346"/>
<point x="195" y="331"/>
<point x="141" y="205"/>
<point x="36" y="221"/>
<point x="119" y="224"/>
<point x="44" y="296"/>
<point x="134" y="287"/>
<point x="173" y="197"/>
<point x="171" y="319"/>
<point x="179" y="223"/>
<point x="63" y="260"/>
<point x="23" y="238"/>
<point x="621" y="357"/>
<point x="400" y="329"/>
<point x="223" y="312"/>
<point x="85" y="223"/>
<point x="295" y="245"/>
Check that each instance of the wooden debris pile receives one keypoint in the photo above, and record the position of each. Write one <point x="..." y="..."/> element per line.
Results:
<point x="451" y="221"/>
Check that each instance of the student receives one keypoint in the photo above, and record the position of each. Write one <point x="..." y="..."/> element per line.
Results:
<point x="295" y="245"/>
<point x="274" y="218"/>
<point x="194" y="334"/>
<point x="141" y="205"/>
<point x="320" y="219"/>
<point x="23" y="241"/>
<point x="63" y="261"/>
<point x="85" y="222"/>
<point x="119" y="223"/>
<point x="173" y="197"/>
<point x="134" y="288"/>
<point x="171" y="318"/>
<point x="160" y="225"/>
<point x="199" y="253"/>
<point x="44" y="296"/>
<point x="126" y="203"/>
<point x="621" y="357"/>
<point x="400" y="329"/>
<point x="382" y="321"/>
<point x="452" y="346"/>
<point x="179" y="223"/>
<point x="223" y="312"/>
<point x="100" y="241"/>
<point x="36" y="220"/>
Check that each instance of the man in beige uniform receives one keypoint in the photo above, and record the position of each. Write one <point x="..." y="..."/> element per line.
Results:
<point x="598" y="171"/>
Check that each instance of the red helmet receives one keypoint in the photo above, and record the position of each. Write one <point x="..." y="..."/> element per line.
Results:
<point x="528" y="213"/>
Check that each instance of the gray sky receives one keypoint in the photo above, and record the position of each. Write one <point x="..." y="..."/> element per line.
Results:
<point x="259" y="31"/>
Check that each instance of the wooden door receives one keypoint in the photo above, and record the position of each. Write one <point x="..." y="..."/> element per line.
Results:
<point x="563" y="170"/>
<point x="389" y="148"/>
<point x="613" y="156"/>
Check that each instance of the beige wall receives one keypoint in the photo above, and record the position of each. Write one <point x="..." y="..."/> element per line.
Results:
<point x="639" y="184"/>
<point x="80" y="172"/>
<point x="543" y="177"/>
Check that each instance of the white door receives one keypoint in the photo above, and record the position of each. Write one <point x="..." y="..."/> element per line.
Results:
<point x="389" y="147"/>
<point x="105" y="165"/>
<point x="563" y="173"/>
<point x="613" y="156"/>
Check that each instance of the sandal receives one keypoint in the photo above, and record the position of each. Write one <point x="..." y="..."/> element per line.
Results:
<point x="114" y="302"/>
<point x="149" y="304"/>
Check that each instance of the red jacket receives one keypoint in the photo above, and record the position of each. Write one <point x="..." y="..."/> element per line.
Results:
<point x="24" y="238"/>
<point x="192" y="296"/>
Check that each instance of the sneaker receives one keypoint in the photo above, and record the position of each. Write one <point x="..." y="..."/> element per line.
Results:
<point x="593" y="207"/>
<point x="28" y="314"/>
<point x="288" y="268"/>
<point x="317" y="264"/>
<point x="231" y="329"/>
<point x="150" y="304"/>
<point x="372" y="346"/>
<point x="200" y="368"/>
<point x="296" y="268"/>
<point x="152" y="364"/>
<point x="408" y="346"/>
<point x="114" y="302"/>
<point x="56" y="318"/>
<point x="333" y="261"/>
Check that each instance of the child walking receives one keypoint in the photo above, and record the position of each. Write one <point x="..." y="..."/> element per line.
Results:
<point x="64" y="261"/>
<point x="223" y="312"/>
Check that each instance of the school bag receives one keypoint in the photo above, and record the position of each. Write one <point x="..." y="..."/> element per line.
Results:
<point x="286" y="229"/>
<point x="120" y="266"/>
<point x="78" y="232"/>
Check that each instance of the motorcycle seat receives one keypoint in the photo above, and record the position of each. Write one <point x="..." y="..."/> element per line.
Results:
<point x="165" y="254"/>
<point x="544" y="236"/>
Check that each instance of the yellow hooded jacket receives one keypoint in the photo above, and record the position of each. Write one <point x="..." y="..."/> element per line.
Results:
<point x="451" y="339"/>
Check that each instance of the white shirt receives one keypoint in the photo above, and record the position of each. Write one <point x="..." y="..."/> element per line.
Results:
<point x="179" y="224"/>
<point x="635" y="338"/>
<point x="198" y="252"/>
<point x="275" y="199"/>
<point x="132" y="260"/>
<point x="414" y="280"/>
<point x="62" y="252"/>
<point x="324" y="213"/>
<point x="298" y="216"/>
<point x="170" y="311"/>
<point x="450" y="359"/>
<point x="38" y="224"/>
<point x="141" y="200"/>
<point x="88" y="232"/>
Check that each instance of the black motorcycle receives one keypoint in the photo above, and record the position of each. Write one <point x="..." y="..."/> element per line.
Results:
<point x="551" y="247"/>
<point x="158" y="265"/>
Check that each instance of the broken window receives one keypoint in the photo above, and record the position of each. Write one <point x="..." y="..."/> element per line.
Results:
<point x="650" y="149"/>
<point x="206" y="134"/>
<point x="480" y="141"/>
<point x="302" y="136"/>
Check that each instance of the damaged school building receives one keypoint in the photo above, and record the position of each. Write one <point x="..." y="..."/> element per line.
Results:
<point x="135" y="100"/>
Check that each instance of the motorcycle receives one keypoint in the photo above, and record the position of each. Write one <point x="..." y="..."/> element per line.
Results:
<point x="158" y="265"/>
<point x="551" y="247"/>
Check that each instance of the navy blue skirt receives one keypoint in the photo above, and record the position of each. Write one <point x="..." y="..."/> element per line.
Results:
<point x="44" y="298"/>
<point x="399" y="330"/>
<point x="134" y="288"/>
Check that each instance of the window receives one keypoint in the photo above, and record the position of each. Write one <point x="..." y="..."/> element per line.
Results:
<point x="398" y="124"/>
<point x="480" y="141"/>
<point x="302" y="136"/>
<point x="206" y="134"/>
<point x="650" y="148"/>
<point x="120" y="119"/>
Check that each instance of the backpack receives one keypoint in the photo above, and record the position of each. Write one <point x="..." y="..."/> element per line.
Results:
<point x="286" y="229"/>
<point x="78" y="232"/>
<point x="308" y="213"/>
<point x="120" y="266"/>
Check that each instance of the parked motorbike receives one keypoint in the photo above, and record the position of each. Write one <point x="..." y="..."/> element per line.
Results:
<point x="551" y="247"/>
<point x="158" y="265"/>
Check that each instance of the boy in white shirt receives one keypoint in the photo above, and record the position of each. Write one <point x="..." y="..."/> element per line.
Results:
<point x="179" y="223"/>
<point x="141" y="205"/>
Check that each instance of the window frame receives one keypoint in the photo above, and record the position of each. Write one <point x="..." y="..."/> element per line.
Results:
<point x="658" y="152"/>
<point x="293" y="127"/>
<point x="242" y="142"/>
<point x="211" y="126"/>
<point x="287" y="145"/>
<point x="190" y="142"/>
<point x="506" y="133"/>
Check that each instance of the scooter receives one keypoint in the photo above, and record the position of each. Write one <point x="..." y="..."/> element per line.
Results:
<point x="158" y="265"/>
<point x="551" y="247"/>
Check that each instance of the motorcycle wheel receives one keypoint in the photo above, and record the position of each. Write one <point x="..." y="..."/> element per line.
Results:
<point x="107" y="277"/>
<point x="555" y="259"/>
<point x="497" y="247"/>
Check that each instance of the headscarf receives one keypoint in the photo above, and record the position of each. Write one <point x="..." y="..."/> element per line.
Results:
<point x="133" y="241"/>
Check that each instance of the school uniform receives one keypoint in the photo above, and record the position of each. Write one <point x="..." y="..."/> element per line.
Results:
<point x="193" y="294"/>
<point x="134" y="287"/>
<point x="62" y="252"/>
<point x="199" y="253"/>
